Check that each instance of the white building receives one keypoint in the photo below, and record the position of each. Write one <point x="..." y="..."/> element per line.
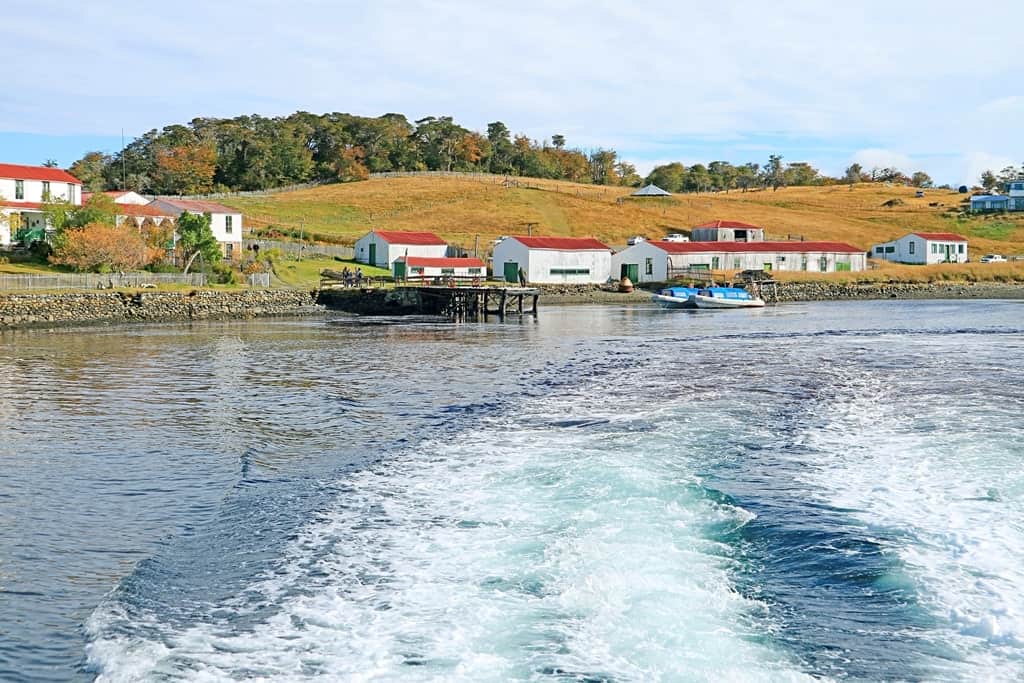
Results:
<point x="383" y="247"/>
<point x="23" y="189"/>
<point x="726" y="231"/>
<point x="924" y="248"/>
<point x="1015" y="190"/>
<point x="125" y="197"/>
<point x="656" y="261"/>
<point x="426" y="268"/>
<point x="553" y="260"/>
<point x="225" y="222"/>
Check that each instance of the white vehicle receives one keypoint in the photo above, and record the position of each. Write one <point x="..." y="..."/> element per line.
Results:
<point x="675" y="237"/>
<point x="993" y="258"/>
<point x="636" y="240"/>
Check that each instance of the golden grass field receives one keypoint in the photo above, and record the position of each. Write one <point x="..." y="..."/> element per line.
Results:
<point x="460" y="208"/>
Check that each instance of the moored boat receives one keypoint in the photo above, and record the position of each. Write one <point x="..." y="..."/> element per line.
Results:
<point x="726" y="297"/>
<point x="675" y="297"/>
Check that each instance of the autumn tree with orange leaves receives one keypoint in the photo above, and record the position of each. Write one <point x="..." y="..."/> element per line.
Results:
<point x="186" y="169"/>
<point x="102" y="248"/>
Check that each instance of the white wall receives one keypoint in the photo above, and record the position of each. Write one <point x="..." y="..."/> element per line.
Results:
<point x="387" y="253"/>
<point x="509" y="250"/>
<point x="5" y="228"/>
<point x="218" y="223"/>
<point x="538" y="263"/>
<point x="436" y="271"/>
<point x="638" y="255"/>
<point x="34" y="191"/>
<point x="132" y="198"/>
<point x="922" y="251"/>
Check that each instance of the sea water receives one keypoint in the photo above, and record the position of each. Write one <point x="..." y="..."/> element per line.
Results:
<point x="815" y="491"/>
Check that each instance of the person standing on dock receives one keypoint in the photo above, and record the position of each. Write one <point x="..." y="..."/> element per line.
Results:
<point x="522" y="277"/>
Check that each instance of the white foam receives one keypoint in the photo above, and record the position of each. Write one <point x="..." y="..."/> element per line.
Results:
<point x="504" y="553"/>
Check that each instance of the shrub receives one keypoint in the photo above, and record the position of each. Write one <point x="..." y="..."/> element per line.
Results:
<point x="101" y="248"/>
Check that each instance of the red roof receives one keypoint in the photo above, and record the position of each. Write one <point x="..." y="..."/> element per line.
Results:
<point x="943" y="236"/>
<point x="34" y="206"/>
<point x="759" y="247"/>
<point x="428" y="262"/>
<point x="727" y="224"/>
<point x="19" y="172"/>
<point x="397" y="237"/>
<point x="140" y="210"/>
<point x="562" y="243"/>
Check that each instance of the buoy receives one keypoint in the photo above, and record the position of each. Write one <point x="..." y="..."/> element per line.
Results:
<point x="625" y="285"/>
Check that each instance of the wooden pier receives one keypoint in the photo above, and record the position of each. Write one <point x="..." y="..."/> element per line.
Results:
<point x="477" y="303"/>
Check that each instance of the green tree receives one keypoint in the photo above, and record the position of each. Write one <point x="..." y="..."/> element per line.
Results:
<point x="195" y="238"/>
<point x="774" y="174"/>
<point x="90" y="170"/>
<point x="854" y="174"/>
<point x="50" y="163"/>
<point x="558" y="141"/>
<point x="669" y="177"/>
<point x="989" y="180"/>
<point x="921" y="179"/>
<point x="100" y="209"/>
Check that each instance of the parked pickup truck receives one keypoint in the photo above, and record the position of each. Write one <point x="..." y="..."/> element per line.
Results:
<point x="993" y="258"/>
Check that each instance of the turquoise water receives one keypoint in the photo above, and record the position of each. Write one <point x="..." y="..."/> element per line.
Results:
<point x="818" y="491"/>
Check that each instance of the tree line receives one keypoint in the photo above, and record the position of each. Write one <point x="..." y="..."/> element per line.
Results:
<point x="258" y="153"/>
<point x="991" y="180"/>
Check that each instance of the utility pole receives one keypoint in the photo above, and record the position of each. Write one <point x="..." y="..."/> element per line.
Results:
<point x="476" y="246"/>
<point x="302" y="232"/>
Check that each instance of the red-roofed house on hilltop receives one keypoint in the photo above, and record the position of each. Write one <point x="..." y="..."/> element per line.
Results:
<point x="382" y="247"/>
<point x="225" y="222"/>
<point x="426" y="268"/>
<point x="23" y="189"/>
<point x="923" y="248"/>
<point x="726" y="231"/>
<point x="656" y="261"/>
<point x="553" y="260"/>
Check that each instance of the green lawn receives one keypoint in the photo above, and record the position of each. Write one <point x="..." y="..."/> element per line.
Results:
<point x="306" y="273"/>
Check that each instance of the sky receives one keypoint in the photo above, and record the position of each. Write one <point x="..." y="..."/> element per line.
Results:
<point x="932" y="86"/>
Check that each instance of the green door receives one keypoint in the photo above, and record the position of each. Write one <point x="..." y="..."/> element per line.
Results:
<point x="767" y="267"/>
<point x="630" y="270"/>
<point x="399" y="270"/>
<point x="373" y="254"/>
<point x="511" y="271"/>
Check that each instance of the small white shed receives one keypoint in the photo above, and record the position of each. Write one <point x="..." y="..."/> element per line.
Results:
<point x="923" y="248"/>
<point x="382" y="247"/>
<point x="427" y="268"/>
<point x="553" y="260"/>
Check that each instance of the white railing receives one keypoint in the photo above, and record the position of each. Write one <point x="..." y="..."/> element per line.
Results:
<point x="11" y="282"/>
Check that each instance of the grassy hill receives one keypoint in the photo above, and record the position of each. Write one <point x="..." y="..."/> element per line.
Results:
<point x="461" y="208"/>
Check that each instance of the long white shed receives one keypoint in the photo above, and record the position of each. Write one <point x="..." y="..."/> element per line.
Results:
<point x="553" y="260"/>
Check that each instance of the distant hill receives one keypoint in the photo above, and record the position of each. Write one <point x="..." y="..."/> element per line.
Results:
<point x="462" y="208"/>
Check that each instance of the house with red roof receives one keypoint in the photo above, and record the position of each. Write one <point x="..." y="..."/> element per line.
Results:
<point x="428" y="268"/>
<point x="553" y="260"/>
<point x="726" y="231"/>
<point x="658" y="261"/>
<point x="923" y="248"/>
<point x="225" y="222"/>
<point x="120" y="197"/>
<point x="23" y="190"/>
<point x="383" y="247"/>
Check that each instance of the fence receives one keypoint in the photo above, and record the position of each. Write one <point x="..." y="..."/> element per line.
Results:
<point x="304" y="250"/>
<point x="98" y="280"/>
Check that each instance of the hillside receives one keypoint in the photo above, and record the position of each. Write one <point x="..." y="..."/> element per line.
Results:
<point x="461" y="208"/>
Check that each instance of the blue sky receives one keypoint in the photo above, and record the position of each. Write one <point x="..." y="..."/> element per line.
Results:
<point x="920" y="85"/>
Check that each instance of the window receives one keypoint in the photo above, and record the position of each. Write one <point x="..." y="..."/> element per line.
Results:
<point x="736" y="263"/>
<point x="936" y="248"/>
<point x="71" y="193"/>
<point x="803" y="263"/>
<point x="227" y="224"/>
<point x="19" y="189"/>
<point x="229" y="250"/>
<point x="447" y="271"/>
<point x="879" y="250"/>
<point x="570" y="271"/>
<point x="890" y="250"/>
<point x="714" y="263"/>
<point x="961" y="248"/>
<point x="911" y="247"/>
<point x="649" y="266"/>
<point x="46" y="190"/>
<point x="474" y="271"/>
<point x="823" y="264"/>
<point x="417" y="270"/>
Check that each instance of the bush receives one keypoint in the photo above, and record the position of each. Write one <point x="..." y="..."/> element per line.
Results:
<point x="101" y="248"/>
<point x="161" y="267"/>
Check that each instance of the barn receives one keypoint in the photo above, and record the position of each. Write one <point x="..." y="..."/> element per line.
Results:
<point x="383" y="247"/>
<point x="553" y="260"/>
<point x="923" y="248"/>
<point x="660" y="261"/>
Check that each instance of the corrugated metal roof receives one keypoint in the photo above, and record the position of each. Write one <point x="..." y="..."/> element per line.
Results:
<point x="727" y="224"/>
<point x="430" y="262"/>
<point x="943" y="236"/>
<point x="562" y="243"/>
<point x="196" y="205"/>
<point x="30" y="206"/>
<point x="651" y="190"/>
<point x="419" y="238"/>
<point x="19" y="172"/>
<point x="789" y="247"/>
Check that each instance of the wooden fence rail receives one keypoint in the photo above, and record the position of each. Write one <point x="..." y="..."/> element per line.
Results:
<point x="97" y="280"/>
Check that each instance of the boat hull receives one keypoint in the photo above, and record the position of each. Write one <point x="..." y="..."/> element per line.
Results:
<point x="673" y="301"/>
<point x="701" y="301"/>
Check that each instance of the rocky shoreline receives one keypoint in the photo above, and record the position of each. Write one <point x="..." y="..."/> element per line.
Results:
<point x="85" y="308"/>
